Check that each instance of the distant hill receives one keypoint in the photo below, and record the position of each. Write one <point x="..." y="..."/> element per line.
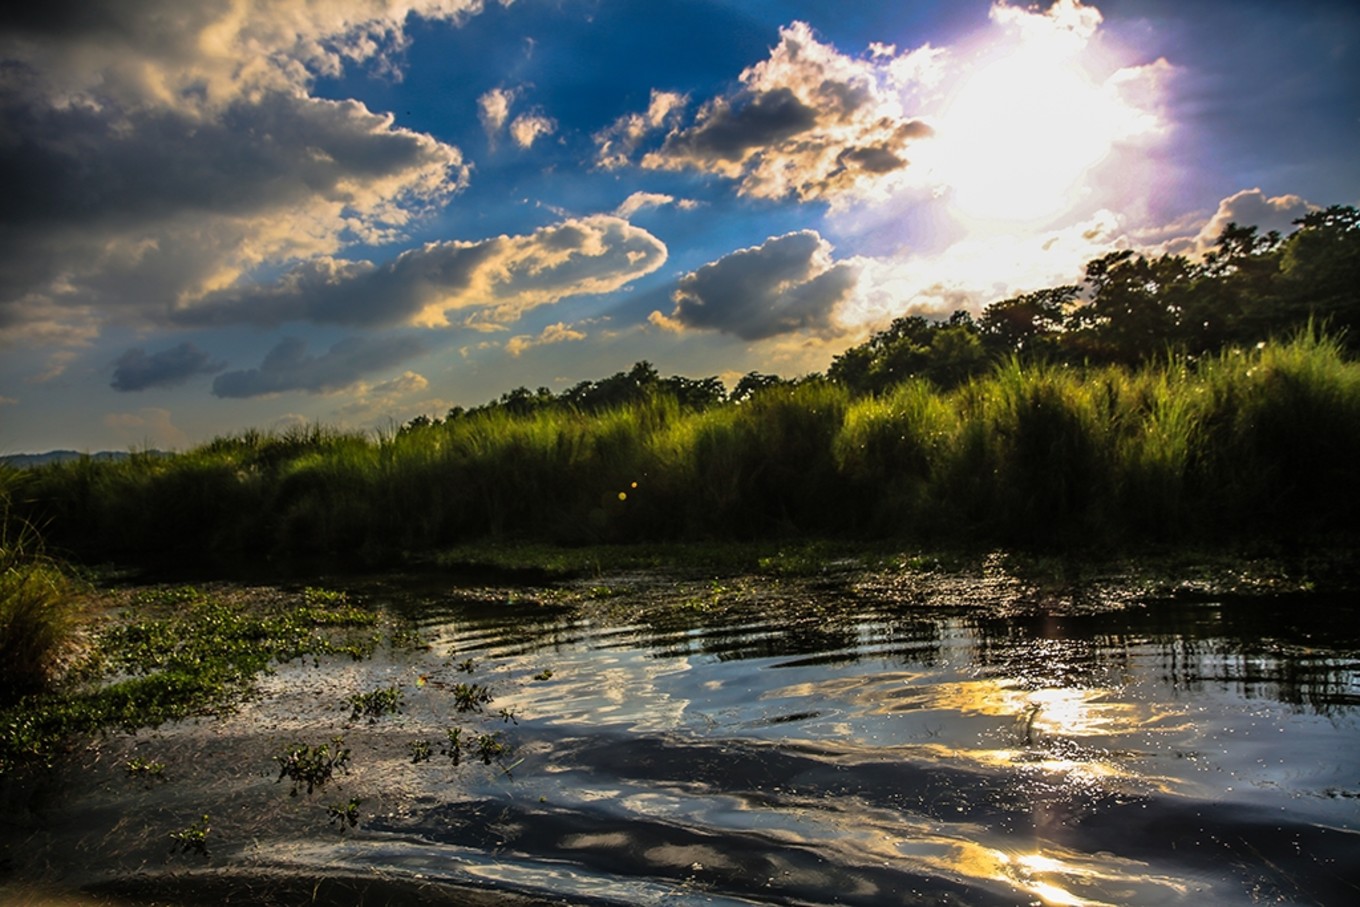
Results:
<point x="28" y="461"/>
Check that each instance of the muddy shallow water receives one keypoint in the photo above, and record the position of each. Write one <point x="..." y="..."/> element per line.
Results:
<point x="879" y="740"/>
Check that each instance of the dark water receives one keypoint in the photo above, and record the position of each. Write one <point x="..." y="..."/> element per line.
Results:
<point x="865" y="747"/>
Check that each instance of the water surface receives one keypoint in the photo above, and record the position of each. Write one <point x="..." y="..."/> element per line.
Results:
<point x="749" y="741"/>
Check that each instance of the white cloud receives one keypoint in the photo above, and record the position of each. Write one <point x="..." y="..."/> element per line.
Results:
<point x="529" y="127"/>
<point x="492" y="281"/>
<point x="621" y="139"/>
<point x="1247" y="208"/>
<point x="553" y="333"/>
<point x="206" y="55"/>
<point x="377" y="401"/>
<point x="808" y="122"/>
<point x="975" y="271"/>
<point x="640" y="201"/>
<point x="493" y="109"/>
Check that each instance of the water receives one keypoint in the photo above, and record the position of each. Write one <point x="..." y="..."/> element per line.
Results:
<point x="755" y="743"/>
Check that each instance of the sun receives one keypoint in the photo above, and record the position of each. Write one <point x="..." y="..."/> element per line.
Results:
<point x="1026" y="125"/>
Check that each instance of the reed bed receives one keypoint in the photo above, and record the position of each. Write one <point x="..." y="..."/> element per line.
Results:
<point x="1256" y="443"/>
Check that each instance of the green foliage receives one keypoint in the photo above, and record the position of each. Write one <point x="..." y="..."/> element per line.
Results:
<point x="177" y="652"/>
<point x="38" y="612"/>
<point x="345" y="815"/>
<point x="194" y="838"/>
<point x="375" y="704"/>
<point x="144" y="768"/>
<point x="470" y="697"/>
<point x="312" y="766"/>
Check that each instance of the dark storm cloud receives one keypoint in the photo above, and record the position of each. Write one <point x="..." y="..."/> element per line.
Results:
<point x="787" y="284"/>
<point x="135" y="370"/>
<point x="288" y="367"/>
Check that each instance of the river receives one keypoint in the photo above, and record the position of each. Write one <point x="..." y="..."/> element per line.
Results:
<point x="878" y="740"/>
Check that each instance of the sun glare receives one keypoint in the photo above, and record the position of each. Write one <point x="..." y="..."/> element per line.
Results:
<point x="1019" y="137"/>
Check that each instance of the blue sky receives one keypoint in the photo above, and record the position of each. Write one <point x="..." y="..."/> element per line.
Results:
<point x="262" y="213"/>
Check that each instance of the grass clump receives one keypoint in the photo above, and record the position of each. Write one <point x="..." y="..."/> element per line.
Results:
<point x="38" y="612"/>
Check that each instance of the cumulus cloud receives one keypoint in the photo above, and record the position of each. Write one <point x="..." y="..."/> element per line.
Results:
<point x="493" y="109"/>
<point x="808" y="122"/>
<point x="640" y="201"/>
<point x="787" y="284"/>
<point x="157" y="151"/>
<point x="135" y="370"/>
<point x="1247" y="208"/>
<point x="213" y="53"/>
<point x="553" y="333"/>
<point x="529" y="127"/>
<point x="289" y="367"/>
<point x="621" y="139"/>
<point x="493" y="281"/>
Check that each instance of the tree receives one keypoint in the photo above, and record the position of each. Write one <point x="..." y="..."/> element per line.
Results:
<point x="1028" y="324"/>
<point x="1320" y="270"/>
<point x="1134" y="304"/>
<point x="751" y="384"/>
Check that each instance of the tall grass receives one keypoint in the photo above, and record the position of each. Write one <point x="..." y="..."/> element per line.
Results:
<point x="1258" y="442"/>
<point x="38" y="615"/>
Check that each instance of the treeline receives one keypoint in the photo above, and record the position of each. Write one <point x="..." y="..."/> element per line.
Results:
<point x="1129" y="310"/>
<point x="1132" y="308"/>
<point x="1246" y="445"/>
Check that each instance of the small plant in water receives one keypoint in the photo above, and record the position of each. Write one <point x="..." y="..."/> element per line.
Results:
<point x="545" y="674"/>
<point x="420" y="751"/>
<point x="508" y="716"/>
<point x="145" y="768"/>
<point x="312" y="766"/>
<point x="345" y="814"/>
<point x="470" y="697"/>
<point x="467" y="666"/>
<point x="453" y="747"/>
<point x="193" y="838"/>
<point x="490" y="747"/>
<point x="375" y="704"/>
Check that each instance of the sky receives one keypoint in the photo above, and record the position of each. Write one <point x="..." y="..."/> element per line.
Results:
<point x="234" y="214"/>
